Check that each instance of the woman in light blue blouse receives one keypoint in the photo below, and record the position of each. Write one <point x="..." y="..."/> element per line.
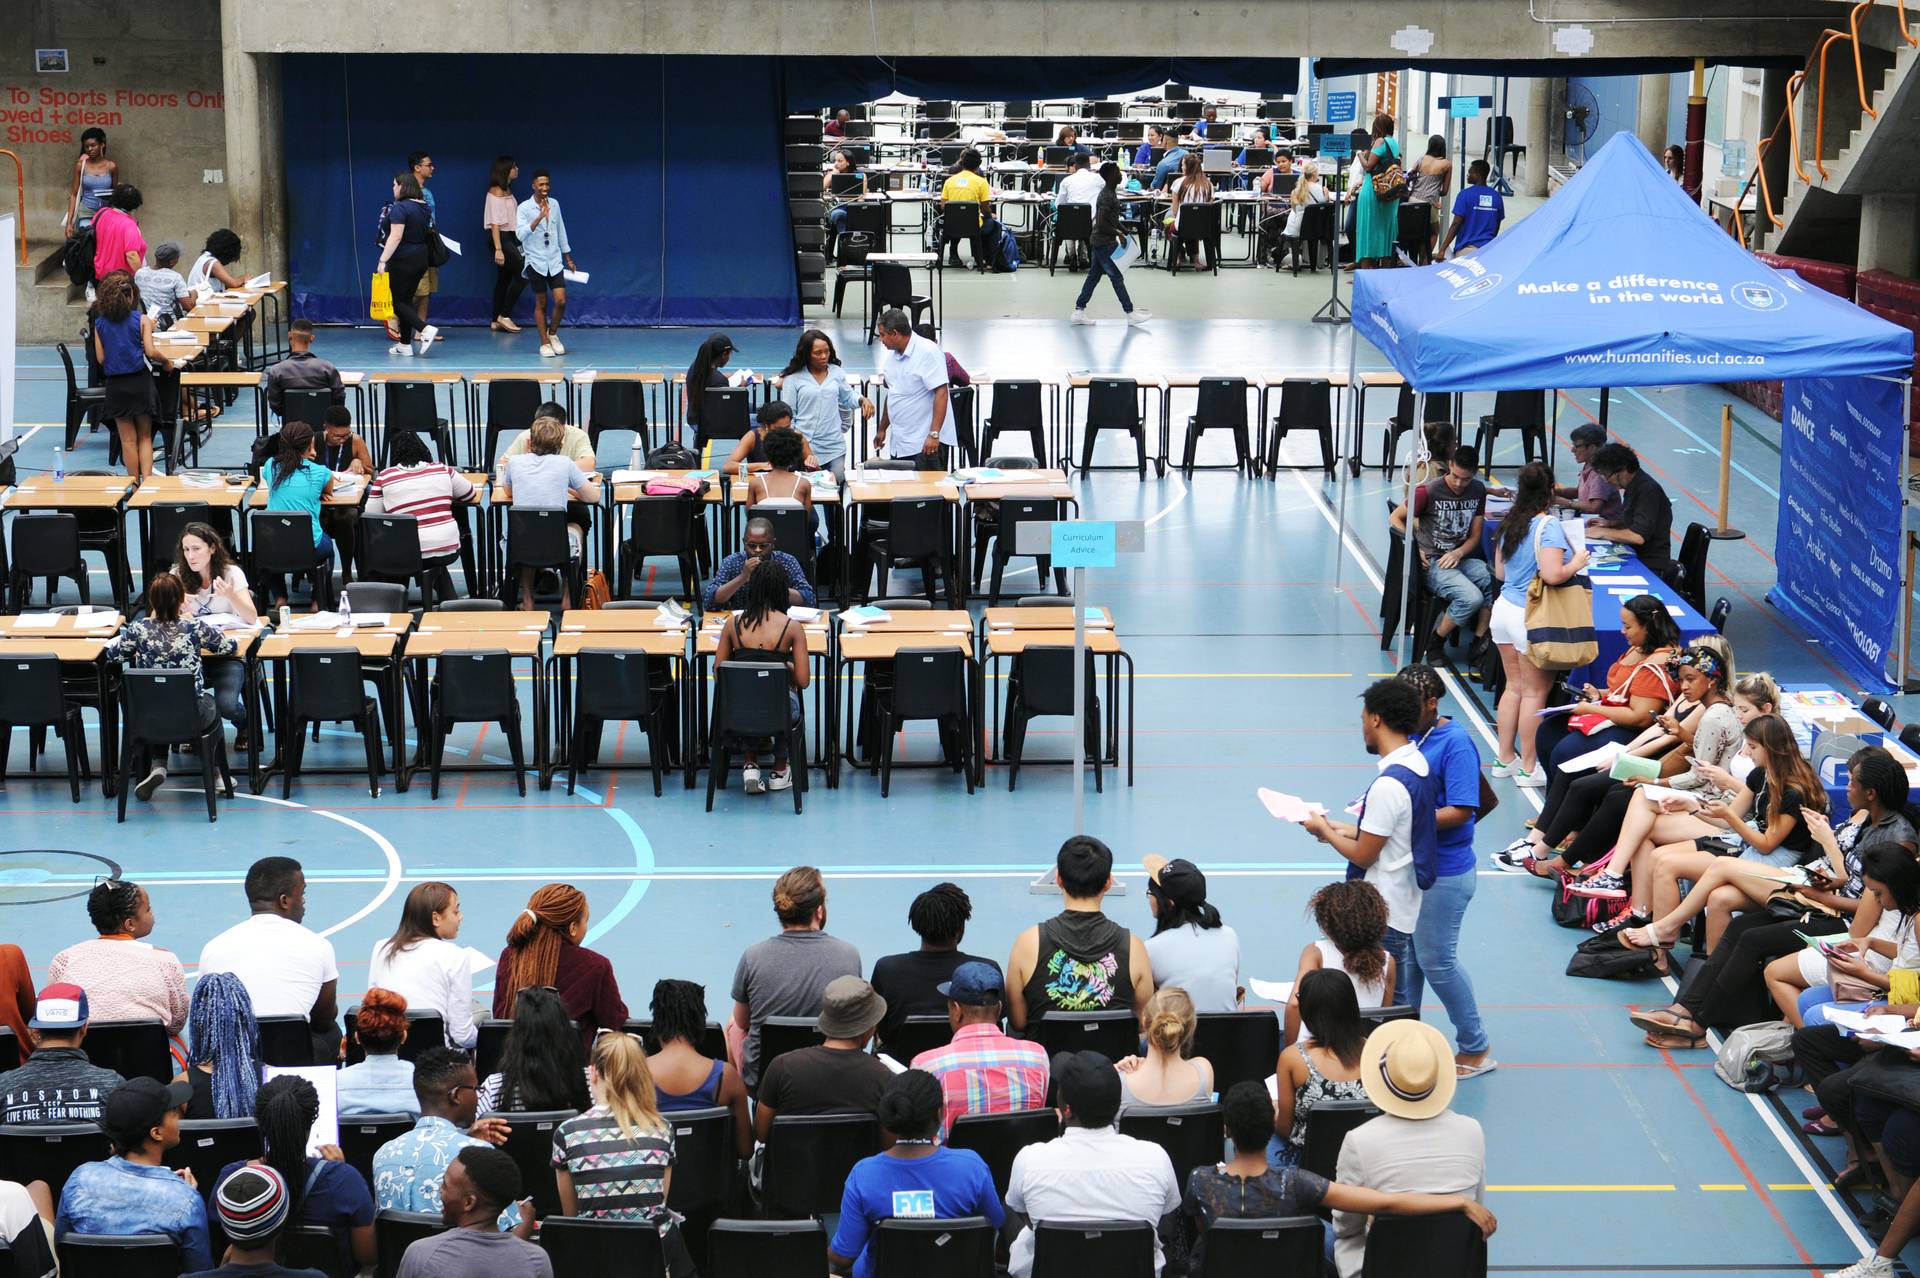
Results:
<point x="823" y="400"/>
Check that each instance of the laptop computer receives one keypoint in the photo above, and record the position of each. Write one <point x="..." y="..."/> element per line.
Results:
<point x="1216" y="160"/>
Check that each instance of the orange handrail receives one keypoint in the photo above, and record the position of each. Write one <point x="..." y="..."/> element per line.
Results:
<point x="1820" y="100"/>
<point x="1859" y="74"/>
<point x="1794" y="82"/>
<point x="20" y="189"/>
<point x="1900" y="9"/>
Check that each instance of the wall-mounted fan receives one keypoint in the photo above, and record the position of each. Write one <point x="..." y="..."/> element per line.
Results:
<point x="1583" y="120"/>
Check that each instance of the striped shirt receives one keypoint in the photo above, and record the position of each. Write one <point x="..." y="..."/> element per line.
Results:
<point x="426" y="492"/>
<point x="615" y="1177"/>
<point x="983" y="1071"/>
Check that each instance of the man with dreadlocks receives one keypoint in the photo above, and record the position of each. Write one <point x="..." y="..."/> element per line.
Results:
<point x="323" y="1190"/>
<point x="910" y="982"/>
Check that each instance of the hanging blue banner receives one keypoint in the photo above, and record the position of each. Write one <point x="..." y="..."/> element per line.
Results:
<point x="1840" y="518"/>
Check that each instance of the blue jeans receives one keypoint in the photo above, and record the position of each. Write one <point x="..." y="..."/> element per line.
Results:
<point x="1466" y="587"/>
<point x="1398" y="944"/>
<point x="1433" y="957"/>
<point x="227" y="676"/>
<point x="1102" y="264"/>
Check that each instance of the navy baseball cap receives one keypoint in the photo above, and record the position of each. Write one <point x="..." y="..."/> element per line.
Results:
<point x="974" y="984"/>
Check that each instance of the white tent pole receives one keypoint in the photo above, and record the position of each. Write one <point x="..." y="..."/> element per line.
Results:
<point x="1410" y="547"/>
<point x="1353" y="402"/>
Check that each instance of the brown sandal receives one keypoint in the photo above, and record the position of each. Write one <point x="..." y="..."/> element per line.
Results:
<point x="1664" y="1020"/>
<point x="1677" y="1042"/>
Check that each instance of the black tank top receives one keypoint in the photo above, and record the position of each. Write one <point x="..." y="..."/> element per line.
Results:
<point x="1083" y="965"/>
<point x="776" y="655"/>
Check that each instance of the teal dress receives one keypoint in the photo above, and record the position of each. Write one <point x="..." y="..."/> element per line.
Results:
<point x="1376" y="221"/>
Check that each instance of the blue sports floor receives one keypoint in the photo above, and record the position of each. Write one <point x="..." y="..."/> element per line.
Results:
<point x="1254" y="630"/>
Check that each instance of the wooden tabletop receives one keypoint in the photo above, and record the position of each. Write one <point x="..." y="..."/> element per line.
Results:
<point x="204" y="324"/>
<point x="653" y="643"/>
<point x="352" y="377"/>
<point x="363" y="643"/>
<point x="905" y="490"/>
<point x="884" y="647"/>
<point x="443" y="377"/>
<point x="1002" y="643"/>
<point x="707" y="642"/>
<point x="439" y="643"/>
<point x="588" y="377"/>
<point x="633" y="491"/>
<point x="65" y="649"/>
<point x="340" y="496"/>
<point x="397" y="623"/>
<point x="65" y="625"/>
<point x="157" y="490"/>
<point x="1056" y="486"/>
<point x="75" y="492"/>
<point x="1382" y="377"/>
<point x="916" y="620"/>
<point x="220" y="379"/>
<point x="601" y="620"/>
<point x="469" y="622"/>
<point x="1043" y="619"/>
<point x="542" y="375"/>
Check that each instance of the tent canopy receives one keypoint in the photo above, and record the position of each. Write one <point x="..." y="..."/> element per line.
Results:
<point x="1618" y="280"/>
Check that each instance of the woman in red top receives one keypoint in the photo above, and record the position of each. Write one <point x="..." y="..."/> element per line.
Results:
<point x="17" y="999"/>
<point x="543" y="948"/>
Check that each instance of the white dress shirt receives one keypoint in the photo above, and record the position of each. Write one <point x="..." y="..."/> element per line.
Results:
<point x="914" y="376"/>
<point x="1082" y="186"/>
<point x="433" y="976"/>
<point x="1089" y="1174"/>
<point x="282" y="964"/>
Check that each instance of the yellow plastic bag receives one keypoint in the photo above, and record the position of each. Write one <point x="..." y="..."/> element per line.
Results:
<point x="1903" y="987"/>
<point x="381" y="307"/>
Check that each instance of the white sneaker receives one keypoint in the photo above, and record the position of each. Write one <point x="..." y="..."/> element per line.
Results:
<point x="1534" y="780"/>
<point x="426" y="336"/>
<point x="750" y="781"/>
<point x="151" y="782"/>
<point x="1501" y="771"/>
<point x="400" y="348"/>
<point x="1871" y="1267"/>
<point x="780" y="779"/>
<point x="559" y="348"/>
<point x="546" y="349"/>
<point x="1080" y="315"/>
<point x="1514" y="858"/>
<point x="1136" y="318"/>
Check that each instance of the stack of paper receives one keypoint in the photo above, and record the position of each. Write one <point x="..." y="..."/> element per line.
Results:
<point x="1657" y="794"/>
<point x="1596" y="758"/>
<point x="866" y="614"/>
<point x="1289" y="807"/>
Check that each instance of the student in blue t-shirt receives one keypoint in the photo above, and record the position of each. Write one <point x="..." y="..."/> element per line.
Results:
<point x="1454" y="762"/>
<point x="917" y="1179"/>
<point x="1477" y="213"/>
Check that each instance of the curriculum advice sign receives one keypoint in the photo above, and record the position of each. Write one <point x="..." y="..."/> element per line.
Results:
<point x="1840" y="518"/>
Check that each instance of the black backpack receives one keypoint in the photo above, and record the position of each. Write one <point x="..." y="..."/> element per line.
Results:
<point x="78" y="259"/>
<point x="1604" y="958"/>
<point x="672" y="457"/>
<point x="1573" y="910"/>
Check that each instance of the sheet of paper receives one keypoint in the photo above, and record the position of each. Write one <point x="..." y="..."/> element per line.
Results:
<point x="326" y="1127"/>
<point x="1289" y="807"/>
<point x="575" y="277"/>
<point x="1658" y="793"/>
<point x="1275" y="992"/>
<point x="586" y="375"/>
<point x="803" y="615"/>
<point x="1622" y="579"/>
<point x="1596" y="758"/>
<point x="263" y="279"/>
<point x="453" y="245"/>
<point x="1859" y="1022"/>
<point x="1576" y="530"/>
<point x="891" y="1063"/>
<point x="479" y="962"/>
<point x="635" y="476"/>
<point x="36" y="621"/>
<point x="1550" y="711"/>
<point x="1909" y="1039"/>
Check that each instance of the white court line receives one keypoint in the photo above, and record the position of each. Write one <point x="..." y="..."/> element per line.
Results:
<point x="1767" y="1117"/>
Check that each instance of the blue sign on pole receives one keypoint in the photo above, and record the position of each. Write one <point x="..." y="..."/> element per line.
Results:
<point x="1084" y="544"/>
<point x="1342" y="108"/>
<point x="1463" y="108"/>
<point x="1337" y="145"/>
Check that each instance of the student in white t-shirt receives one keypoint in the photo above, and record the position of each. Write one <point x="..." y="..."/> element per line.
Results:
<point x="287" y="969"/>
<point x="1395" y="841"/>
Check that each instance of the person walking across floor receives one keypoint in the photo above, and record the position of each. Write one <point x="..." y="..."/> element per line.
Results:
<point x="403" y="259"/>
<point x="123" y="343"/>
<point x="1105" y="244"/>
<point x="501" y="217"/>
<point x="542" y="231"/>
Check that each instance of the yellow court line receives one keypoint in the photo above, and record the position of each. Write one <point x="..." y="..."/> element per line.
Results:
<point x="1582" y="1189"/>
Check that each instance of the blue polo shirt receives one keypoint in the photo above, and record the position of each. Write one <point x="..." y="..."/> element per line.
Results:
<point x="1480" y="210"/>
<point x="945" y="1184"/>
<point x="1454" y="761"/>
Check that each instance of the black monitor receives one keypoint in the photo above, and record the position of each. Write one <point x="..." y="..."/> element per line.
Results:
<point x="1105" y="111"/>
<point x="1155" y="154"/>
<point x="1057" y="154"/>
<point x="1318" y="131"/>
<point x="859" y="129"/>
<point x="936" y="130"/>
<point x="1131" y="130"/>
<point x="854" y="112"/>
<point x="845" y="186"/>
<point x="1174" y="92"/>
<point x="858" y="156"/>
<point x="1276" y="109"/>
<point x="1019" y="110"/>
<point x="950" y="155"/>
<point x="936" y="110"/>
<point x="1258" y="157"/>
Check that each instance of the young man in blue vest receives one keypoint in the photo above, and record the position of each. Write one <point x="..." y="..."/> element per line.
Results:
<point x="1395" y="846"/>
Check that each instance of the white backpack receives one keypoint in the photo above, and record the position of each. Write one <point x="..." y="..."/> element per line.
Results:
<point x="1756" y="1058"/>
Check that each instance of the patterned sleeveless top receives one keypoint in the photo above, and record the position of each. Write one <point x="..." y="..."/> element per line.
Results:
<point x="1317" y="1088"/>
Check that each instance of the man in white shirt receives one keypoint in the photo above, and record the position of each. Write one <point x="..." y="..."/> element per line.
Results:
<point x="287" y="969"/>
<point x="1395" y="846"/>
<point x="1081" y="185"/>
<point x="1091" y="1172"/>
<point x="1417" y="1145"/>
<point x="917" y="420"/>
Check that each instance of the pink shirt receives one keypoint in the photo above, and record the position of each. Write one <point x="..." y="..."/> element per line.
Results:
<point x="125" y="980"/>
<point x="115" y="234"/>
<point x="500" y="211"/>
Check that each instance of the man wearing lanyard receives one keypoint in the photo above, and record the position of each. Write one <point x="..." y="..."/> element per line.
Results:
<point x="544" y="247"/>
<point x="917" y="419"/>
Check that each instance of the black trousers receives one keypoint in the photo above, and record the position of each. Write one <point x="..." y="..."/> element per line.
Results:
<point x="1825" y="1057"/>
<point x="404" y="278"/>
<point x="507" y="278"/>
<point x="1593" y="804"/>
<point x="1729" y="989"/>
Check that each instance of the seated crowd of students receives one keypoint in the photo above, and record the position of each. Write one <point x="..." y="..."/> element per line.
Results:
<point x="569" y="1049"/>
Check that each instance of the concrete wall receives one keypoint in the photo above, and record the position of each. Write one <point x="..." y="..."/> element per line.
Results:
<point x="149" y="74"/>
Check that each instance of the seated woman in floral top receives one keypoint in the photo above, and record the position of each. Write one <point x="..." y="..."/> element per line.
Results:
<point x="164" y="640"/>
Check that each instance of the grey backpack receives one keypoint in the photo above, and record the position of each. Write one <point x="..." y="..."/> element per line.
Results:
<point x="1757" y="1058"/>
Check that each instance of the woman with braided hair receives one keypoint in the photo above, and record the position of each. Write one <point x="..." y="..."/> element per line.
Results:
<point x="223" y="1048"/>
<point x="324" y="1190"/>
<point x="124" y="982"/>
<point x="910" y="982"/>
<point x="544" y="948"/>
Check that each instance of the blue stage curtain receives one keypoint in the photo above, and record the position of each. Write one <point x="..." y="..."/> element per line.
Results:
<point x="670" y="172"/>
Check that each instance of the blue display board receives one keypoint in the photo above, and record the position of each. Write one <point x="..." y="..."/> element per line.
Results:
<point x="1337" y="145"/>
<point x="1839" y="536"/>
<point x="1463" y="108"/>
<point x="1342" y="108"/>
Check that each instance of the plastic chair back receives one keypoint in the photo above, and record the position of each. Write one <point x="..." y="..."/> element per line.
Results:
<point x="917" y="1034"/>
<point x="997" y="1138"/>
<point x="390" y="547"/>
<point x="537" y="539"/>
<point x="32" y="693"/>
<point x="703" y="1159"/>
<point x="1278" y="1245"/>
<point x="662" y="525"/>
<point x="362" y="1135"/>
<point x="162" y="706"/>
<point x="1109" y="1248"/>
<point x="1327" y="1126"/>
<point x="45" y="545"/>
<point x="130" y="1048"/>
<point x="808" y="1158"/>
<point x="282" y="542"/>
<point x="49" y="1151"/>
<point x="395" y="1231"/>
<point x="1113" y="401"/>
<point x="530" y="1142"/>
<point x="1191" y="1133"/>
<point x="959" y="1247"/>
<point x="916" y="527"/>
<point x="164" y="524"/>
<point x="613" y="685"/>
<point x="1242" y="1046"/>
<point x="1449" y="1246"/>
<point x="766" y="1249"/>
<point x="119" y="1256"/>
<point x="1075" y="222"/>
<point x="309" y="406"/>
<point x="1115" y="1035"/>
<point x="726" y="412"/>
<point x="592" y="1248"/>
<point x="475" y="687"/>
<point x="284" y="1040"/>
<point x="1306" y="403"/>
<point x="929" y="683"/>
<point x="208" y="1144"/>
<point x="750" y="700"/>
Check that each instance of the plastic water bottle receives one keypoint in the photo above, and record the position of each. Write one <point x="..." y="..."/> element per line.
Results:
<point x="346" y="609"/>
<point x="59" y="463"/>
<point x="633" y="457"/>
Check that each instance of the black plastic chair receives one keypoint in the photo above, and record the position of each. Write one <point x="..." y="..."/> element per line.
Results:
<point x="1243" y="1047"/>
<point x="1327" y="1128"/>
<point x="395" y="1231"/>
<point x="750" y="703"/>
<point x="1447" y="1246"/>
<point x="792" y="534"/>
<point x="1414" y="231"/>
<point x="1003" y="533"/>
<point x="808" y="1158"/>
<point x="712" y="1044"/>
<point x="1113" y="403"/>
<point x="1277" y="1245"/>
<point x="530" y="1142"/>
<point x="511" y="404"/>
<point x="611" y="686"/>
<point x="1375" y="1017"/>
<point x="593" y="1248"/>
<point x="537" y="539"/>
<point x="309" y="406"/>
<point x="327" y="688"/>
<point x="282" y="546"/>
<point x="1197" y="226"/>
<point x="1690" y="566"/>
<point x="666" y="526"/>
<point x="1191" y="1133"/>
<point x="928" y="683"/>
<point x="615" y="407"/>
<point x="1041" y="683"/>
<point x="1318" y="222"/>
<point x="1072" y="224"/>
<point x="119" y="1256"/>
<point x="1521" y="410"/>
<point x="34" y="695"/>
<point x="9" y="1050"/>
<point x="131" y="1048"/>
<point x="893" y="288"/>
<point x="915" y="534"/>
<point x="162" y="709"/>
<point x="866" y="231"/>
<point x="315" y="1247"/>
<point x="491" y="1044"/>
<point x="165" y="522"/>
<point x="782" y="1034"/>
<point x="424" y="1030"/>
<point x="1018" y="408"/>
<point x="285" y="1040"/>
<point x="960" y="223"/>
<point x="1115" y="1035"/>
<point x="362" y="1135"/>
<point x="1305" y="404"/>
<point x="1109" y="1248"/>
<point x="997" y="1138"/>
<point x="726" y="413"/>
<point x="390" y="552"/>
<point x="414" y="407"/>
<point x="49" y="1151"/>
<point x="703" y="1159"/>
<point x="46" y="544"/>
<point x="766" y="1249"/>
<point x="208" y="1144"/>
<point x="958" y="1247"/>
<point x="917" y="1034"/>
<point x="1722" y="609"/>
<point x="83" y="402"/>
<point x="474" y="687"/>
<point x="1221" y="405"/>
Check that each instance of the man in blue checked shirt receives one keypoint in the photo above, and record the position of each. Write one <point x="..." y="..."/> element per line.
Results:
<point x="544" y="248"/>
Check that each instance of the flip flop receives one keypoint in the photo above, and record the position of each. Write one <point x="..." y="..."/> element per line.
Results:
<point x="1676" y="1042"/>
<point x="1651" y="1021"/>
<point x="1628" y="942"/>
<point x="1464" y="1072"/>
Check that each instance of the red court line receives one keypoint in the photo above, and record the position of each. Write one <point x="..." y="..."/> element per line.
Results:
<point x="1354" y="599"/>
<point x="1754" y="1183"/>
<point x="477" y="755"/>
<point x="613" y="774"/>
